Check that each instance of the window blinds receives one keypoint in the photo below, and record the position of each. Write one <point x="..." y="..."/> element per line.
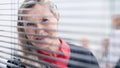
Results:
<point x="84" y="23"/>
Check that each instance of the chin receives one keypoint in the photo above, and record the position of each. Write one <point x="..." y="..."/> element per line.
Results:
<point x="41" y="46"/>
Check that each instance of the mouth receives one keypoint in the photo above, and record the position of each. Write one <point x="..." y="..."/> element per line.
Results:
<point x="40" y="38"/>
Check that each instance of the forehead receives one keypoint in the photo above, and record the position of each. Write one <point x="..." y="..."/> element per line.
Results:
<point x="39" y="10"/>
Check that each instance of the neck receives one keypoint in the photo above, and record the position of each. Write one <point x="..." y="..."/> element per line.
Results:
<point x="58" y="44"/>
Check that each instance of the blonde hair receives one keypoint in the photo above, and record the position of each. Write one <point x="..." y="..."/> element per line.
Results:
<point x="30" y="4"/>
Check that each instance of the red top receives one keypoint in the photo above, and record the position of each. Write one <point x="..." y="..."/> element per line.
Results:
<point x="65" y="50"/>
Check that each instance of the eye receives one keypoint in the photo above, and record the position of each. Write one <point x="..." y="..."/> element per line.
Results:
<point x="44" y="21"/>
<point x="30" y="24"/>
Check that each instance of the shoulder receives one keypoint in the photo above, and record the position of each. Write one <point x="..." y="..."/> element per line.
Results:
<point x="79" y="49"/>
<point x="82" y="56"/>
<point x="14" y="63"/>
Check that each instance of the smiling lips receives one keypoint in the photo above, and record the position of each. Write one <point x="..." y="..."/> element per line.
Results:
<point x="40" y="38"/>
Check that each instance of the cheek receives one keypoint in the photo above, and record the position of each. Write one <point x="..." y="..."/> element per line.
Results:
<point x="54" y="26"/>
<point x="30" y="32"/>
<point x="30" y="37"/>
<point x="53" y="30"/>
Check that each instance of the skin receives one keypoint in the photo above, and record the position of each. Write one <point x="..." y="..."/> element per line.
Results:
<point x="116" y="22"/>
<point x="85" y="42"/>
<point x="45" y="18"/>
<point x="106" y="44"/>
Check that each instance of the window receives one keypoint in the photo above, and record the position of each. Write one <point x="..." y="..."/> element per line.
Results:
<point x="91" y="24"/>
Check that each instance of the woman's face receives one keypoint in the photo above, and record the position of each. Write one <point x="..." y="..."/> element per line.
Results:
<point x="41" y="18"/>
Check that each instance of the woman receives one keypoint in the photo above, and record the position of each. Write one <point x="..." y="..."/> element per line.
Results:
<point x="41" y="18"/>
